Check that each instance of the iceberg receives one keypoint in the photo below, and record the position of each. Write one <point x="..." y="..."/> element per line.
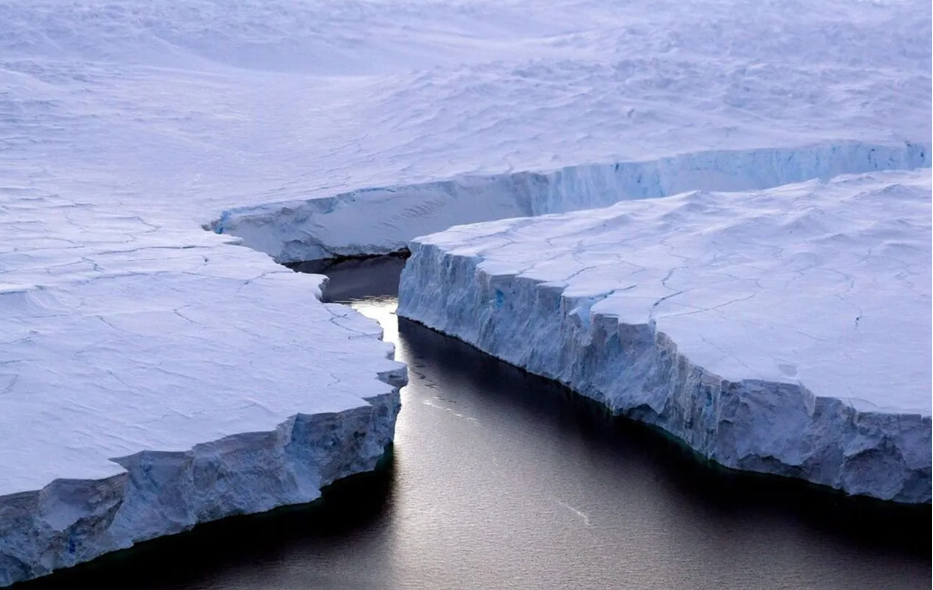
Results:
<point x="782" y="331"/>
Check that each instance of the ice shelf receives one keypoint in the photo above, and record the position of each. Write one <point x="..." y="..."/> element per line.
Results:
<point x="148" y="367"/>
<point x="152" y="379"/>
<point x="783" y="331"/>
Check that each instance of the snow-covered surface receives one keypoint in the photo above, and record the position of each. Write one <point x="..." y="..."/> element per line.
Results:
<point x="152" y="378"/>
<point x="200" y="106"/>
<point x="127" y="125"/>
<point x="785" y="330"/>
<point x="683" y="95"/>
<point x="179" y="337"/>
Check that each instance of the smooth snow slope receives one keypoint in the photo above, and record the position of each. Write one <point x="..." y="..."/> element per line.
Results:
<point x="784" y="331"/>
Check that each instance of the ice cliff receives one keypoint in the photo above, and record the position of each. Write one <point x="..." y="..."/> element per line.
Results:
<point x="153" y="375"/>
<point x="783" y="331"/>
<point x="383" y="220"/>
<point x="152" y="379"/>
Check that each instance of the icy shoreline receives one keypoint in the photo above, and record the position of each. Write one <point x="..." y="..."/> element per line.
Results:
<point x="124" y="126"/>
<point x="155" y="378"/>
<point x="163" y="493"/>
<point x="569" y="298"/>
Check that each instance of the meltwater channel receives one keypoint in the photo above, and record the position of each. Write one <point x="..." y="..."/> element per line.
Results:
<point x="501" y="480"/>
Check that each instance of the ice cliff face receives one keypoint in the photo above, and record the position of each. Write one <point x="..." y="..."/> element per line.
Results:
<point x="152" y="379"/>
<point x="783" y="331"/>
<point x="384" y="220"/>
<point x="136" y="350"/>
<point x="161" y="493"/>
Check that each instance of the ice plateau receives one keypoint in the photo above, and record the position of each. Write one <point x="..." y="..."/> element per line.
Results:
<point x="783" y="331"/>
<point x="153" y="375"/>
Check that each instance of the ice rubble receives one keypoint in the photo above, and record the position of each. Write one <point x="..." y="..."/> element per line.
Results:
<point x="152" y="379"/>
<point x="784" y="331"/>
<point x="384" y="220"/>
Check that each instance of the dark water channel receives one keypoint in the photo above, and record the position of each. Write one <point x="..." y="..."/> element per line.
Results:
<point x="503" y="480"/>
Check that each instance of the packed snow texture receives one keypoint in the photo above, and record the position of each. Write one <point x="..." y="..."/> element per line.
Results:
<point x="667" y="96"/>
<point x="782" y="331"/>
<point x="128" y="125"/>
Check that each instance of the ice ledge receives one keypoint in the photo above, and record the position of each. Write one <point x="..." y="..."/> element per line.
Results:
<point x="162" y="493"/>
<point x="784" y="331"/>
<point x="151" y="380"/>
<point x="383" y="220"/>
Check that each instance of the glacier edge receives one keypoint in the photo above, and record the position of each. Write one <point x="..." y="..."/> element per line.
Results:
<point x="162" y="493"/>
<point x="463" y="283"/>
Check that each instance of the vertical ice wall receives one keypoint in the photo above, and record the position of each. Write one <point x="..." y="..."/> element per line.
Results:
<point x="783" y="331"/>
<point x="383" y="220"/>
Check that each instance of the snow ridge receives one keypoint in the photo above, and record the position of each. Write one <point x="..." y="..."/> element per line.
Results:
<point x="383" y="220"/>
<point x="784" y="331"/>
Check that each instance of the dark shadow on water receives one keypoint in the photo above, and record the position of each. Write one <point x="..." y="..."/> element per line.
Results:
<point x="357" y="278"/>
<point x="864" y="523"/>
<point x="346" y="512"/>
